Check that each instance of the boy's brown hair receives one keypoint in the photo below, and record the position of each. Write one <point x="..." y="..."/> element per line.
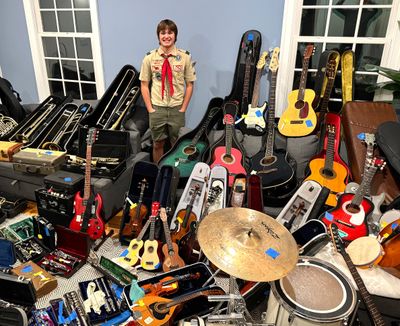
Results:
<point x="167" y="24"/>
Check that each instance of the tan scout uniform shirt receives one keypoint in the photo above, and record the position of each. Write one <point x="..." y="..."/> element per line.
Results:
<point x="182" y="71"/>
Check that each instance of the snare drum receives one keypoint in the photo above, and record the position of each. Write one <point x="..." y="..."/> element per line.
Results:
<point x="314" y="293"/>
<point x="365" y="252"/>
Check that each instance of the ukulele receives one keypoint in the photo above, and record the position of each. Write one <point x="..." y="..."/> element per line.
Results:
<point x="299" y="119"/>
<point x="272" y="164"/>
<point x="157" y="311"/>
<point x="137" y="212"/>
<point x="168" y="285"/>
<point x="150" y="259"/>
<point x="229" y="157"/>
<point x="186" y="217"/>
<point x="352" y="210"/>
<point x="87" y="218"/>
<point x="188" y="152"/>
<point x="132" y="257"/>
<point x="327" y="168"/>
<point x="254" y="119"/>
<point x="366" y="297"/>
<point x="172" y="260"/>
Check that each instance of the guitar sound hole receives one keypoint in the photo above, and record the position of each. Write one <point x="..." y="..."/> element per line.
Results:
<point x="189" y="150"/>
<point x="134" y="247"/>
<point x="299" y="105"/>
<point x="228" y="159"/>
<point x="150" y="249"/>
<point x="353" y="208"/>
<point x="327" y="172"/>
<point x="268" y="160"/>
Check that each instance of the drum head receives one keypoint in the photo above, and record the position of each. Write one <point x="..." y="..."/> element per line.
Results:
<point x="315" y="290"/>
<point x="364" y="251"/>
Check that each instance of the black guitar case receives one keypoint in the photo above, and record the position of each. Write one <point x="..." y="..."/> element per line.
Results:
<point x="11" y="100"/>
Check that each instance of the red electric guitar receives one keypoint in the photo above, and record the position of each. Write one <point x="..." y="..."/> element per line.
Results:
<point x="227" y="155"/>
<point x="352" y="210"/>
<point x="87" y="216"/>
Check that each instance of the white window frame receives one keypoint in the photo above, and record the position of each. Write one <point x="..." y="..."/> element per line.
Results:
<point x="290" y="37"/>
<point x="33" y="19"/>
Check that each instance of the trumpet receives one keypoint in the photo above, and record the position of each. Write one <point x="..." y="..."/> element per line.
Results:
<point x="119" y="114"/>
<point x="7" y="124"/>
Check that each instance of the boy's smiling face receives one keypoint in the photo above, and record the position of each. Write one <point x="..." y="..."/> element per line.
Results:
<point x="167" y="38"/>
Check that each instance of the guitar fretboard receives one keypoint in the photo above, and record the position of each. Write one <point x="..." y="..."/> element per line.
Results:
<point x="269" y="149"/>
<point x="167" y="235"/>
<point x="196" y="138"/>
<point x="365" y="185"/>
<point x="256" y="89"/>
<point x="330" y="151"/>
<point x="86" y="190"/>
<point x="246" y="83"/>
<point x="303" y="79"/>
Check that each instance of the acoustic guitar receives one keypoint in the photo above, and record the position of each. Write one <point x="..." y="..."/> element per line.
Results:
<point x="389" y="237"/>
<point x="328" y="169"/>
<point x="172" y="260"/>
<point x="87" y="218"/>
<point x="299" y="119"/>
<point x="272" y="164"/>
<point x="157" y="311"/>
<point x="150" y="258"/>
<point x="373" y="311"/>
<point x="188" y="152"/>
<point x="352" y="210"/>
<point x="229" y="156"/>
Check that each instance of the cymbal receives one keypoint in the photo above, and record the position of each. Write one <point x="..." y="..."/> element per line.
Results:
<point x="247" y="244"/>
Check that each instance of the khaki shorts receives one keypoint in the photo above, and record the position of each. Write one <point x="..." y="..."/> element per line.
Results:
<point x="166" y="122"/>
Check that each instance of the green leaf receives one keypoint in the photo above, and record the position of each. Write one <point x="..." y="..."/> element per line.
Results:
<point x="382" y="85"/>
<point x="387" y="72"/>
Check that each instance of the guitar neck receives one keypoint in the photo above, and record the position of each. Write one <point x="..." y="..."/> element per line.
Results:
<point x="144" y="229"/>
<point x="196" y="138"/>
<point x="256" y="89"/>
<point x="86" y="190"/>
<point x="368" y="158"/>
<point x="327" y="95"/>
<point x="191" y="296"/>
<point x="365" y="184"/>
<point x="330" y="152"/>
<point x="167" y="235"/>
<point x="269" y="148"/>
<point x="152" y="227"/>
<point x="228" y="139"/>
<point x="246" y="83"/>
<point x="303" y="79"/>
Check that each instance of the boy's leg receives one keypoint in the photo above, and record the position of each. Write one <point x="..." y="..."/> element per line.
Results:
<point x="158" y="150"/>
<point x="176" y="120"/>
<point x="158" y="125"/>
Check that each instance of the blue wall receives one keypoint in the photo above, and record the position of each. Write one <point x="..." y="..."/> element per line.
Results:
<point x="211" y="30"/>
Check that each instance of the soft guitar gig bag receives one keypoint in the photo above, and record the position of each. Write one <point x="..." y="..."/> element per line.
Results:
<point x="10" y="99"/>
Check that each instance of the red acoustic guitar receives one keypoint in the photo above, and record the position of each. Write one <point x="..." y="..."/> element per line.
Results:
<point x="228" y="156"/>
<point x="352" y="210"/>
<point x="87" y="216"/>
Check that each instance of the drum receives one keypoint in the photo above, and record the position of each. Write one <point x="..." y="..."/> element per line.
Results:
<point x="388" y="218"/>
<point x="314" y="293"/>
<point x="365" y="252"/>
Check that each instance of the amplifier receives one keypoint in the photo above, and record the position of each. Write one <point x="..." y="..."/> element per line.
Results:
<point x="56" y="207"/>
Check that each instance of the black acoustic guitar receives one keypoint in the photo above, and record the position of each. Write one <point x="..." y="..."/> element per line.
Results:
<point x="269" y="163"/>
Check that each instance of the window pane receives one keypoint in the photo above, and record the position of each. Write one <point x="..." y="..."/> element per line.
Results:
<point x="50" y="46"/>
<point x="346" y="2"/>
<point x="86" y="70"/>
<point x="341" y="47"/>
<point x="368" y="53"/>
<point x="69" y="69"/>
<point x="53" y="68"/>
<point x="310" y="80"/>
<point x="72" y="89"/>
<point x="46" y="4"/>
<point x="49" y="21"/>
<point x="83" y="23"/>
<point x="63" y="4"/>
<point x="66" y="47"/>
<point x="89" y="91"/>
<point x="65" y="21"/>
<point x="315" y="2"/>
<point x="84" y="48"/>
<point x="374" y="22"/>
<point x="314" y="60"/>
<point x="378" y="2"/>
<point x="81" y="3"/>
<point x="56" y="88"/>
<point x="343" y="22"/>
<point x="313" y="22"/>
<point x="361" y="82"/>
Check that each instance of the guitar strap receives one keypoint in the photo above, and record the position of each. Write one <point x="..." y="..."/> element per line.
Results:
<point x="321" y="80"/>
<point x="347" y="66"/>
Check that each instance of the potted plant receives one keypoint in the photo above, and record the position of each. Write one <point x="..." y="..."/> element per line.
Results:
<point x="392" y="85"/>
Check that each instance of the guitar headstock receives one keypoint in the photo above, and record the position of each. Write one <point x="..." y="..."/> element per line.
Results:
<point x="228" y="119"/>
<point x="309" y="51"/>
<point x="367" y="138"/>
<point x="336" y="239"/>
<point x="92" y="136"/>
<point x="163" y="214"/>
<point x="331" y="69"/>
<point x="377" y="163"/>
<point x="262" y="61"/>
<point x="274" y="62"/>
<point x="155" y="207"/>
<point x="143" y="184"/>
<point x="230" y="108"/>
<point x="331" y="129"/>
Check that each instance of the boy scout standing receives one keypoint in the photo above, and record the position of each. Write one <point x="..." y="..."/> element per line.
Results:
<point x="169" y="70"/>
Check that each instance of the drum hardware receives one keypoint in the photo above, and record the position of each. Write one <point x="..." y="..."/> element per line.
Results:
<point x="106" y="119"/>
<point x="7" y="124"/>
<point x="118" y="115"/>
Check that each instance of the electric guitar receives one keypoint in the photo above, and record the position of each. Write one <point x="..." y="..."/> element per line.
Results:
<point x="87" y="218"/>
<point x="172" y="260"/>
<point x="377" y="200"/>
<point x="254" y="118"/>
<point x="137" y="212"/>
<point x="328" y="169"/>
<point x="188" y="152"/>
<point x="167" y="285"/>
<point x="157" y="311"/>
<point x="299" y="119"/>
<point x="150" y="259"/>
<point x="366" y="297"/>
<point x="352" y="210"/>
<point x="133" y="251"/>
<point x="186" y="217"/>
<point x="228" y="156"/>
<point x="272" y="164"/>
